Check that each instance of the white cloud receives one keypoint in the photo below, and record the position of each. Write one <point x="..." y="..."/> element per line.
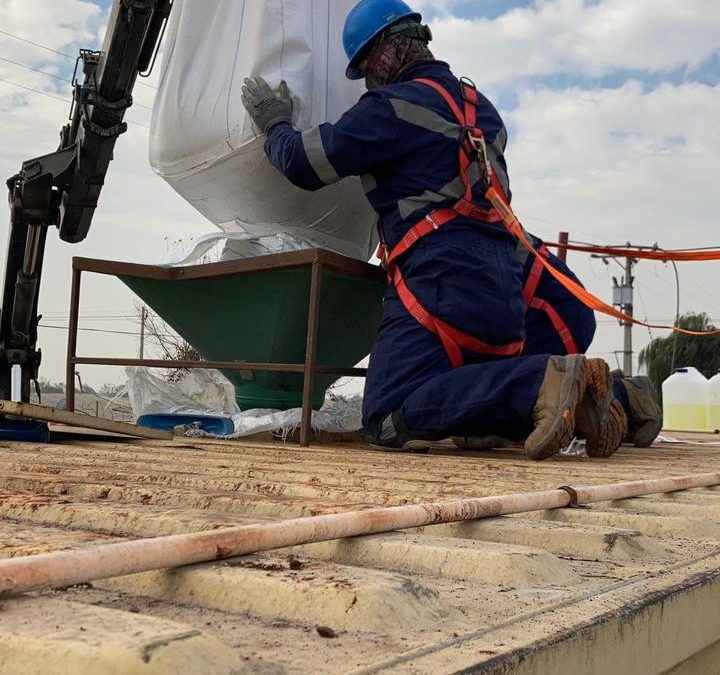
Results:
<point x="618" y="165"/>
<point x="56" y="24"/>
<point x="624" y="155"/>
<point x="137" y="210"/>
<point x="580" y="38"/>
<point x="612" y="164"/>
<point x="632" y="162"/>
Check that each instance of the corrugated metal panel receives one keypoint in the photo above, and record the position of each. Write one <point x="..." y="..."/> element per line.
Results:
<point x="620" y="587"/>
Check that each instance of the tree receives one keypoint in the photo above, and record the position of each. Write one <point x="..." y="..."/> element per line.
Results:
<point x="47" y="387"/>
<point x="172" y="346"/>
<point x="679" y="349"/>
<point x="111" y="390"/>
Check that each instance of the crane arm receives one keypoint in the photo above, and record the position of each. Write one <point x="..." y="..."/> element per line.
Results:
<point x="62" y="188"/>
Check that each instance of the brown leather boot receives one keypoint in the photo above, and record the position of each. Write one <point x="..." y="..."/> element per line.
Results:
<point x="600" y="418"/>
<point x="554" y="411"/>
<point x="645" y="415"/>
<point x="480" y="442"/>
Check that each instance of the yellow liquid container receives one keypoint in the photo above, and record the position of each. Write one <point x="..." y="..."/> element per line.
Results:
<point x="713" y="408"/>
<point x="685" y="400"/>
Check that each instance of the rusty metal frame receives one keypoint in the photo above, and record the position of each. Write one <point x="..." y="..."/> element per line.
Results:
<point x="317" y="259"/>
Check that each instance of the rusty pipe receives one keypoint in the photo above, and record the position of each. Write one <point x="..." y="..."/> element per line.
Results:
<point x="65" y="568"/>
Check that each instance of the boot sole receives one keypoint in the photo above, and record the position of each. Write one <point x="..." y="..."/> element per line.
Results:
<point x="562" y="430"/>
<point x="646" y="409"/>
<point x="644" y="435"/>
<point x="600" y="417"/>
<point x="409" y="446"/>
<point x="480" y="442"/>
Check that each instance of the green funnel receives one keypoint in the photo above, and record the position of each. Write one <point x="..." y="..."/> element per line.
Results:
<point x="257" y="311"/>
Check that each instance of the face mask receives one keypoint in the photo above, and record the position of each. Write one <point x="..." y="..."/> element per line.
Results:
<point x="390" y="56"/>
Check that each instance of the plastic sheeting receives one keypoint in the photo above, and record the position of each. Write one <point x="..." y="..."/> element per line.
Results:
<point x="203" y="143"/>
<point x="209" y="392"/>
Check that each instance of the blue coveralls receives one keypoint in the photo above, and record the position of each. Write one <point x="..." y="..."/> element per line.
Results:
<point x="402" y="139"/>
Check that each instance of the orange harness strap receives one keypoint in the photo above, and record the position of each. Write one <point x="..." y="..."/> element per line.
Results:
<point x="533" y="302"/>
<point x="587" y="298"/>
<point x="453" y="339"/>
<point x="497" y="197"/>
<point x="687" y="255"/>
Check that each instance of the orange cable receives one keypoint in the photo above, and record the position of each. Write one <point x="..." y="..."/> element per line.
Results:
<point x="657" y="254"/>
<point x="587" y="298"/>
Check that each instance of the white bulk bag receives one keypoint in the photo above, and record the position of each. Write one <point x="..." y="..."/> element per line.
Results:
<point x="202" y="142"/>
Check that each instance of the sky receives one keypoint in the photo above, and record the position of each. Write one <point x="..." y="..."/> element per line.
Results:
<point x="612" y="109"/>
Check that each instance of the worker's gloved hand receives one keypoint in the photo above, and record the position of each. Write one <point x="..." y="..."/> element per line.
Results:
<point x="265" y="106"/>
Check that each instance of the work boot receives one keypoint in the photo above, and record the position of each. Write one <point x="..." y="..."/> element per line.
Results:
<point x="600" y="418"/>
<point x="480" y="442"/>
<point x="554" y="411"/>
<point x="391" y="436"/>
<point x="645" y="418"/>
<point x="414" y="445"/>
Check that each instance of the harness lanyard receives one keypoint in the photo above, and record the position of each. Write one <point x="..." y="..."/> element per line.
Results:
<point x="588" y="299"/>
<point x="501" y="206"/>
<point x="452" y="338"/>
<point x="474" y="148"/>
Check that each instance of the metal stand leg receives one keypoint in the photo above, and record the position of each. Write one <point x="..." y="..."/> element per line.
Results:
<point x="311" y="351"/>
<point x="72" y="341"/>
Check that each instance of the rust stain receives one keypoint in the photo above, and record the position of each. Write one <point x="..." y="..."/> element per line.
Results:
<point x="222" y="552"/>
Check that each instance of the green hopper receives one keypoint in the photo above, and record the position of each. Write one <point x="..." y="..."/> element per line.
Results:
<point x="257" y="311"/>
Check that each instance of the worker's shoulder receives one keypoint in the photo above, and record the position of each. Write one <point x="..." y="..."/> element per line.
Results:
<point x="410" y="91"/>
<point x="413" y="85"/>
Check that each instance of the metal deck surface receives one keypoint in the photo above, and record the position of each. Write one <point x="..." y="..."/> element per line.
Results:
<point x="624" y="587"/>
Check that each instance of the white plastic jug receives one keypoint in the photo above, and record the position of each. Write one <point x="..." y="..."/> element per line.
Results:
<point x="685" y="395"/>
<point x="713" y="408"/>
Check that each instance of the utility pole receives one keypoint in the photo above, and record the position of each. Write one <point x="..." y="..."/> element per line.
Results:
<point x="624" y="298"/>
<point x="143" y="317"/>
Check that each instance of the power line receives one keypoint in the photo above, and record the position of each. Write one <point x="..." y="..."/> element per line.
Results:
<point x="60" y="317"/>
<point x="90" y="330"/>
<point x="36" y="70"/>
<point x="59" y="98"/>
<point x="36" y="91"/>
<point x="111" y="332"/>
<point x="36" y="44"/>
<point x="103" y="311"/>
<point x="645" y="248"/>
<point x="103" y="330"/>
<point x="55" y="51"/>
<point x="57" y="77"/>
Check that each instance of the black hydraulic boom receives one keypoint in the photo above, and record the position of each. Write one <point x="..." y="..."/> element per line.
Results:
<point x="62" y="188"/>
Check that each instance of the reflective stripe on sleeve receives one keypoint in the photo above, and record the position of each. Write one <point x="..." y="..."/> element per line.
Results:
<point x="368" y="182"/>
<point x="453" y="190"/>
<point x="500" y="173"/>
<point x="495" y="151"/>
<point x="319" y="161"/>
<point x="500" y="141"/>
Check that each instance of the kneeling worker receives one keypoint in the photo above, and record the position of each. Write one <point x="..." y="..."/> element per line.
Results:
<point x="450" y="358"/>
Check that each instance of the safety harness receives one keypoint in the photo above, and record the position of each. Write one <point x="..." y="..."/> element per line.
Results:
<point x="472" y="149"/>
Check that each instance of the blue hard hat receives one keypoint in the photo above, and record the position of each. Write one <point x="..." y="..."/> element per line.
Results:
<point x="365" y="22"/>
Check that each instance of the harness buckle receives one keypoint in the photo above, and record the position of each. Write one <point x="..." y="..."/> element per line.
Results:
<point x="382" y="254"/>
<point x="479" y="148"/>
<point x="431" y="220"/>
